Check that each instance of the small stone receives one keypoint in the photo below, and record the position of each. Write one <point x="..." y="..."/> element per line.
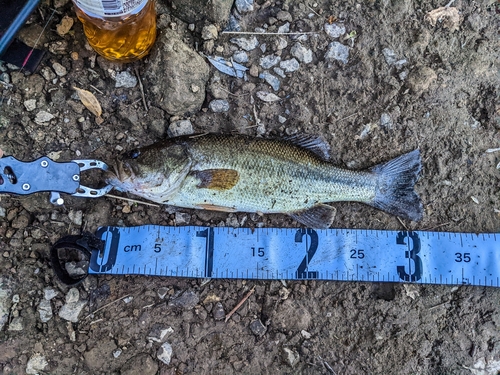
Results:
<point x="60" y="70"/>
<point x="162" y="292"/>
<point x="290" y="357"/>
<point x="128" y="299"/>
<point x="158" y="333"/>
<point x="244" y="6"/>
<point x="240" y="57"/>
<point x="45" y="310"/>
<point x="334" y="30"/>
<point x="279" y="72"/>
<point x="248" y="44"/>
<point x="125" y="79"/>
<point x="254" y="71"/>
<point x="302" y="54"/>
<point x="16" y="324"/>
<point x="386" y="121"/>
<point x="182" y="218"/>
<point x="281" y="43"/>
<point x="43" y="117"/>
<point x="71" y="311"/>
<point x="281" y="119"/>
<point x="164" y="353"/>
<point x="181" y="127"/>
<point x="390" y="56"/>
<point x="30" y="104"/>
<point x="269" y="61"/>
<point x="284" y="16"/>
<point x="271" y="79"/>
<point x="219" y="105"/>
<point x="263" y="46"/>
<point x="257" y="328"/>
<point x="284" y="28"/>
<point x="76" y="269"/>
<point x="49" y="293"/>
<point x="187" y="300"/>
<point x="420" y="79"/>
<point x="267" y="96"/>
<point x="209" y="32"/>
<point x="305" y="334"/>
<point x="36" y="364"/>
<point x="218" y="311"/>
<point x="337" y="51"/>
<point x="117" y="353"/>
<point x="289" y="65"/>
<point x="73" y="295"/>
<point x="76" y="217"/>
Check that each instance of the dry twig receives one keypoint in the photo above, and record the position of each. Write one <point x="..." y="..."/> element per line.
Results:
<point x="106" y="305"/>
<point x="142" y="89"/>
<point x="132" y="200"/>
<point x="230" y="314"/>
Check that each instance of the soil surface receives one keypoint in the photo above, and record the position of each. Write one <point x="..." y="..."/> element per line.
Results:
<point x="405" y="82"/>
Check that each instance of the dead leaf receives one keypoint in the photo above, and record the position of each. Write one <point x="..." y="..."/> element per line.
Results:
<point x="89" y="101"/>
<point x="65" y="25"/>
<point x="448" y="16"/>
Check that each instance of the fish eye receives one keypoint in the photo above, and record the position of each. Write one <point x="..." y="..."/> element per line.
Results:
<point x="134" y="154"/>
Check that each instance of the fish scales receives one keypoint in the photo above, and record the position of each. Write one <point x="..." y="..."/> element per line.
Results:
<point x="242" y="173"/>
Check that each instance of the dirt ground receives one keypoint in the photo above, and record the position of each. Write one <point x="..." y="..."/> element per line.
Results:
<point x="405" y="84"/>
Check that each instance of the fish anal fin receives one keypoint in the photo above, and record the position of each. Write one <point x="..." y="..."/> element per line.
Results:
<point x="214" y="207"/>
<point x="313" y="143"/>
<point x="320" y="216"/>
<point x="217" y="179"/>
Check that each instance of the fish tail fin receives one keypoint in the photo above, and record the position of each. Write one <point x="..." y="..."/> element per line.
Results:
<point x="395" y="186"/>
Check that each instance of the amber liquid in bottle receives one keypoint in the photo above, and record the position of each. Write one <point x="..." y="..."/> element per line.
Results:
<point x="124" y="39"/>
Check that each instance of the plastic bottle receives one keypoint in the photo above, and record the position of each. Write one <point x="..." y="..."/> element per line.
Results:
<point x="119" y="30"/>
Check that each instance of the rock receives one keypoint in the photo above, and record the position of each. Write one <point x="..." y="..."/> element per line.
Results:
<point x="125" y="79"/>
<point x="219" y="105"/>
<point x="45" y="310"/>
<point x="186" y="300"/>
<point x="386" y="121"/>
<point x="76" y="217"/>
<point x="164" y="353"/>
<point x="392" y="59"/>
<point x="269" y="61"/>
<point x="49" y="293"/>
<point x="289" y="65"/>
<point x="174" y="70"/>
<point x="30" y="104"/>
<point x="240" y="57"/>
<point x="334" y="30"/>
<point x="192" y="11"/>
<point x="218" y="311"/>
<point x="182" y="218"/>
<point x="337" y="51"/>
<point x="209" y="32"/>
<point x="99" y="358"/>
<point x="257" y="328"/>
<point x="271" y="79"/>
<point x="73" y="306"/>
<point x="420" y="79"/>
<point x="284" y="28"/>
<point x="180" y="127"/>
<point x="244" y="6"/>
<point x="291" y="315"/>
<point x="302" y="54"/>
<point x="36" y="364"/>
<point x="59" y="69"/>
<point x="158" y="333"/>
<point x="284" y="16"/>
<point x="247" y="44"/>
<point x="267" y="96"/>
<point x="141" y="364"/>
<point x="16" y="324"/>
<point x="281" y="43"/>
<point x="290" y="357"/>
<point x="279" y="72"/>
<point x="43" y="117"/>
<point x="305" y="334"/>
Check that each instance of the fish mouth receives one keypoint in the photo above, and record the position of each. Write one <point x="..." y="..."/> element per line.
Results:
<point x="122" y="172"/>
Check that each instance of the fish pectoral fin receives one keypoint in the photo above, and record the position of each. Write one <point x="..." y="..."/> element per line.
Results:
<point x="214" y="207"/>
<point x="320" y="216"/>
<point x="217" y="179"/>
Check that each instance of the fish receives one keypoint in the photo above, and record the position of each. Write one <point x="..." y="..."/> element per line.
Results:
<point x="239" y="173"/>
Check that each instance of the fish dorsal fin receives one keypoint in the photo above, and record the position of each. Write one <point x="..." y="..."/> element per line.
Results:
<point x="320" y="216"/>
<point x="313" y="143"/>
<point x="217" y="179"/>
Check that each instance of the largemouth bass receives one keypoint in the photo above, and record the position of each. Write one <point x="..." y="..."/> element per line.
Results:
<point x="241" y="173"/>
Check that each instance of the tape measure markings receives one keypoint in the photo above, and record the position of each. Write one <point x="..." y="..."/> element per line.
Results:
<point x="300" y="254"/>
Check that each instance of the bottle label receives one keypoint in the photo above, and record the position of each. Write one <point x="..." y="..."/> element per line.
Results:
<point x="110" y="8"/>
